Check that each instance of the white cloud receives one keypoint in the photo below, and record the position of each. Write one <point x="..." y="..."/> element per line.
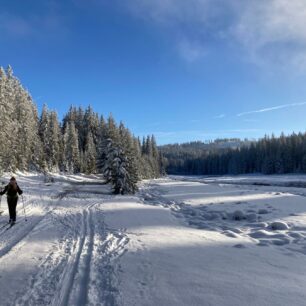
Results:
<point x="273" y="31"/>
<point x="270" y="31"/>
<point x="270" y="109"/>
<point x="170" y="12"/>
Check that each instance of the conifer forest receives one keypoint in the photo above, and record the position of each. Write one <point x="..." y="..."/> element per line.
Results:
<point x="83" y="142"/>
<point x="269" y="155"/>
<point x="86" y="142"/>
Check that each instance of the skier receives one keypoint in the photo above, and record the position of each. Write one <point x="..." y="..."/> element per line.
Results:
<point x="12" y="190"/>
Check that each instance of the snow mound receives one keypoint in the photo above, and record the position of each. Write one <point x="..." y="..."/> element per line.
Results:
<point x="238" y="215"/>
<point x="279" y="226"/>
<point x="267" y="234"/>
<point x="251" y="217"/>
<point x="258" y="225"/>
<point x="263" y="211"/>
<point x="231" y="234"/>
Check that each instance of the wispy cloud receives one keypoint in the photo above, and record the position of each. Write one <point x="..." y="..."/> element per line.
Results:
<point x="270" y="109"/>
<point x="173" y="136"/>
<point x="202" y="134"/>
<point x="173" y="122"/>
<point x="192" y="51"/>
<point x="271" y="31"/>
<point x="15" y="25"/>
<point x="221" y="116"/>
<point x="250" y="120"/>
<point x="45" y="20"/>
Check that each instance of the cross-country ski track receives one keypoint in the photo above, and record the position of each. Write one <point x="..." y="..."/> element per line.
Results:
<point x="178" y="241"/>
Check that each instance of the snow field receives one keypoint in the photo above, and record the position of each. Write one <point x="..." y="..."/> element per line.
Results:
<point x="176" y="242"/>
<point x="264" y="216"/>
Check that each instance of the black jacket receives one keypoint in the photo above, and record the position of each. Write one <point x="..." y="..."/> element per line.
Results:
<point x="10" y="191"/>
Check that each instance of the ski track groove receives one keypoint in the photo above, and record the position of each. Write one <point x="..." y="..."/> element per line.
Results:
<point x="15" y="240"/>
<point x="69" y="274"/>
<point x="76" y="286"/>
<point x="27" y="230"/>
<point x="58" y="275"/>
<point x="83" y="296"/>
<point x="82" y="262"/>
<point x="45" y="284"/>
<point x="87" y="275"/>
<point x="108" y="248"/>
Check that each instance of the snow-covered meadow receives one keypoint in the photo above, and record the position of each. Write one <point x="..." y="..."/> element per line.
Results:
<point x="178" y="241"/>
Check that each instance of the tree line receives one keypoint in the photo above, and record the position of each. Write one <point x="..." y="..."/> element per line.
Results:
<point x="83" y="142"/>
<point x="269" y="155"/>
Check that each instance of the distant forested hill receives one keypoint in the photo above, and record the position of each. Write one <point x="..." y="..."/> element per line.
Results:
<point x="269" y="155"/>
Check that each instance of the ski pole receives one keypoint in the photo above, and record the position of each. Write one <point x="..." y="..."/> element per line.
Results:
<point x="25" y="216"/>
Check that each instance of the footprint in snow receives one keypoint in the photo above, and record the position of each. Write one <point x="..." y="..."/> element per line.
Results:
<point x="239" y="246"/>
<point x="263" y="211"/>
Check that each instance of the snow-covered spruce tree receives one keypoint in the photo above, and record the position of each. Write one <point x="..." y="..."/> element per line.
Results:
<point x="151" y="158"/>
<point x="82" y="162"/>
<point x="50" y="135"/>
<point x="6" y="109"/>
<point x="87" y="127"/>
<point x="139" y="159"/>
<point x="54" y="142"/>
<point x="20" y="130"/>
<point x="162" y="164"/>
<point x="89" y="163"/>
<point x="108" y="131"/>
<point x="27" y="136"/>
<point x="117" y="157"/>
<point x="43" y="131"/>
<point x="71" y="116"/>
<point x="130" y="152"/>
<point x="91" y="125"/>
<point x="79" y="125"/>
<point x="101" y="144"/>
<point x="115" y="169"/>
<point x="155" y="158"/>
<point x="71" y="157"/>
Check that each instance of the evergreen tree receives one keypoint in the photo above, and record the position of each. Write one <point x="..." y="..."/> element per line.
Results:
<point x="71" y="158"/>
<point x="131" y="164"/>
<point x="115" y="169"/>
<point x="6" y="109"/>
<point x="54" y="143"/>
<point x="43" y="131"/>
<point x="90" y="155"/>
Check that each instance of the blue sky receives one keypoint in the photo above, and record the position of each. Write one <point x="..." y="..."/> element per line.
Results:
<point x="183" y="70"/>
